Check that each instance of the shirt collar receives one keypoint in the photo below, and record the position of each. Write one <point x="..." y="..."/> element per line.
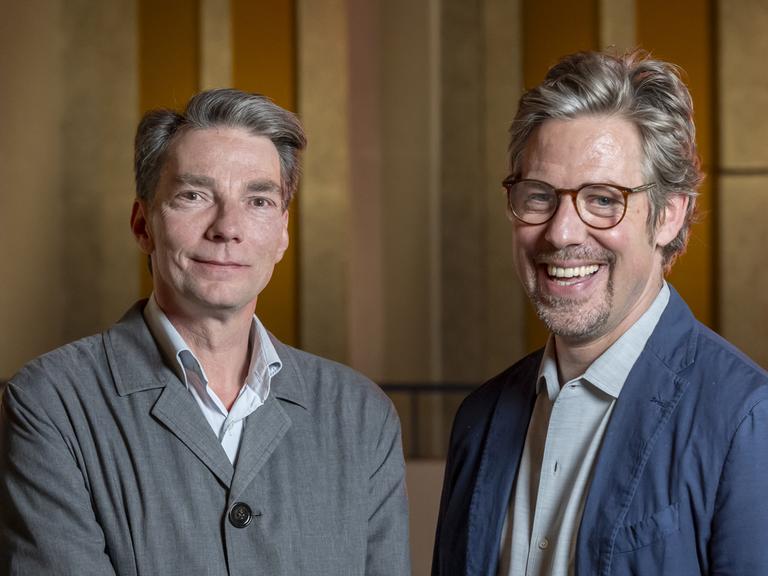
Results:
<point x="264" y="362"/>
<point x="610" y="370"/>
<point x="548" y="376"/>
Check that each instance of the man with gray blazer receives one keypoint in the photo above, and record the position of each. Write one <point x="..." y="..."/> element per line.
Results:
<point x="186" y="439"/>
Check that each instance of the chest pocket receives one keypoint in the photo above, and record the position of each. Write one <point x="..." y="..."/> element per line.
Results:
<point x="649" y="530"/>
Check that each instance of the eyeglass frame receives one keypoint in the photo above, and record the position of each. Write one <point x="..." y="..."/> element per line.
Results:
<point x="511" y="181"/>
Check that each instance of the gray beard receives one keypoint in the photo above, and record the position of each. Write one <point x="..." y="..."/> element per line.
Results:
<point x="566" y="317"/>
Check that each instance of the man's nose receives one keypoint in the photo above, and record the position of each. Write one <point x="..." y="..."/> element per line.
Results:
<point x="227" y="224"/>
<point x="566" y="228"/>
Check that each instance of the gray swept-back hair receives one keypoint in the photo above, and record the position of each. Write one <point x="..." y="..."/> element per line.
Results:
<point x="650" y="94"/>
<point x="213" y="109"/>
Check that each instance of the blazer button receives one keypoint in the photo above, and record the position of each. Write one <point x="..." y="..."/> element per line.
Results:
<point x="240" y="515"/>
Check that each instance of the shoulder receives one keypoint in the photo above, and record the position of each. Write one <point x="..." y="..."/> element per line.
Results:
<point x="327" y="384"/>
<point x="78" y="372"/>
<point x="726" y="375"/>
<point x="480" y="403"/>
<point x="710" y="363"/>
<point x="56" y="390"/>
<point x="721" y="384"/>
<point x="62" y="367"/>
<point x="319" y="368"/>
<point x="714" y="367"/>
<point x="511" y="391"/>
<point x="726" y="360"/>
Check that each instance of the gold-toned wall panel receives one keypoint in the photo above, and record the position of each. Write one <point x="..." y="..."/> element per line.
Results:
<point x="743" y="87"/>
<point x="169" y="58"/>
<point x="744" y="240"/>
<point x="264" y="48"/>
<point x="99" y="115"/>
<point x="365" y="338"/>
<point x="462" y="264"/>
<point x="215" y="44"/>
<point x="505" y="332"/>
<point x="691" y="46"/>
<point x="324" y="232"/>
<point x="618" y="25"/>
<point x="410" y="96"/>
<point x="264" y="61"/>
<point x="743" y="199"/>
<point x="554" y="28"/>
<point x="68" y="108"/>
<point x="30" y="160"/>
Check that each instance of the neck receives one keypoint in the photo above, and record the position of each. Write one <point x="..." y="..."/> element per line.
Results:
<point x="574" y="359"/>
<point x="221" y="347"/>
<point x="575" y="355"/>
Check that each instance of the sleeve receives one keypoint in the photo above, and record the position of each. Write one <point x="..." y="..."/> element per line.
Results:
<point x="739" y="541"/>
<point x="388" y="552"/>
<point x="47" y="523"/>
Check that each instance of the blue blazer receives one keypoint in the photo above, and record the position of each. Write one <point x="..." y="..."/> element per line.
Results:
<point x="680" y="485"/>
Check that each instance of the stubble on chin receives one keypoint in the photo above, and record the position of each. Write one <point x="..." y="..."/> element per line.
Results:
<point x="572" y="318"/>
<point x="568" y="317"/>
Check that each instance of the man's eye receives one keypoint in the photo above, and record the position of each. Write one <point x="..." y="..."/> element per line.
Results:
<point x="538" y="201"/>
<point x="190" y="195"/>
<point x="263" y="202"/>
<point x="602" y="201"/>
<point x="539" y="197"/>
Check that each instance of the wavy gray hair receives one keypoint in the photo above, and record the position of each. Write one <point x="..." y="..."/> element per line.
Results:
<point x="650" y="94"/>
<point x="219" y="108"/>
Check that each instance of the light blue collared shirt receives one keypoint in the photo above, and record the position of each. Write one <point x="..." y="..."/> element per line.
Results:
<point x="264" y="364"/>
<point x="564" y="437"/>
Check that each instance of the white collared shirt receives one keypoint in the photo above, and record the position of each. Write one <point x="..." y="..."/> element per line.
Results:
<point x="564" y="437"/>
<point x="264" y="364"/>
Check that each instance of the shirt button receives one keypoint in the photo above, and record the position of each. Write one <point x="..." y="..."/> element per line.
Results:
<point x="543" y="544"/>
<point x="240" y="515"/>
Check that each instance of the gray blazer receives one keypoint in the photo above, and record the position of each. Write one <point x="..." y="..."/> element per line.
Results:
<point x="107" y="466"/>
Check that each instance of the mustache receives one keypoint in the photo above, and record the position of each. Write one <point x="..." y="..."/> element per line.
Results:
<point x="592" y="253"/>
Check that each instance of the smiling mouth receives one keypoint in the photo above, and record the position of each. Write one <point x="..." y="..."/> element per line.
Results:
<point x="566" y="275"/>
<point x="572" y="271"/>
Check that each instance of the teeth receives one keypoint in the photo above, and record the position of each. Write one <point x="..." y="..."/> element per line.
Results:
<point x="578" y="271"/>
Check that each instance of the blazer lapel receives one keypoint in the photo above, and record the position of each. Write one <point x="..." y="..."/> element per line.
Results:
<point x="137" y="366"/>
<point x="266" y="427"/>
<point x="647" y="401"/>
<point x="498" y="467"/>
<point x="181" y="415"/>
<point x="262" y="433"/>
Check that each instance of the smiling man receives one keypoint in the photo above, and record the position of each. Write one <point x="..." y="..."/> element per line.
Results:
<point x="186" y="439"/>
<point x="634" y="442"/>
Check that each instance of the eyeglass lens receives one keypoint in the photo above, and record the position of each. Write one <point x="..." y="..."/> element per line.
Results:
<point x="598" y="205"/>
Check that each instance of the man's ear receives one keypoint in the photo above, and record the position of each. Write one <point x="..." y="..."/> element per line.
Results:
<point x="284" y="240"/>
<point x="140" y="226"/>
<point x="672" y="219"/>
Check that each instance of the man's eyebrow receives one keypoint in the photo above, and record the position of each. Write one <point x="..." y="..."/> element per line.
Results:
<point x="263" y="185"/>
<point x="195" y="180"/>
